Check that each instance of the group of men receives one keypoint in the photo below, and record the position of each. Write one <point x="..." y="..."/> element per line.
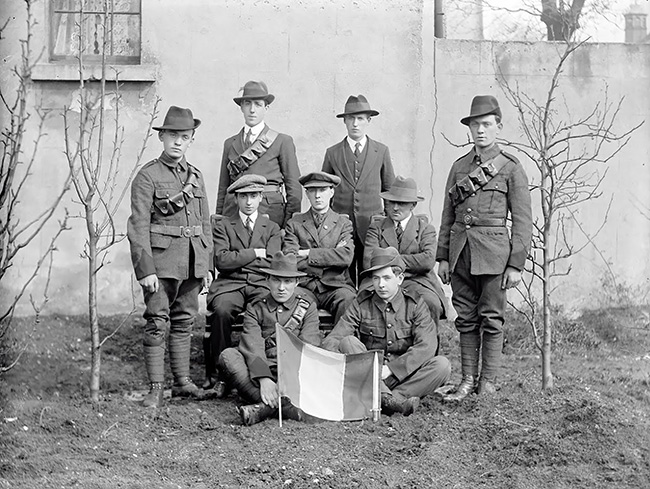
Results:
<point x="359" y="252"/>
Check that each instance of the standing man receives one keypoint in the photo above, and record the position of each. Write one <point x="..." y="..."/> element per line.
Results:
<point x="414" y="238"/>
<point x="397" y="322"/>
<point x="170" y="248"/>
<point x="258" y="149"/>
<point x="242" y="247"/>
<point x="476" y="252"/>
<point x="365" y="169"/>
<point x="322" y="240"/>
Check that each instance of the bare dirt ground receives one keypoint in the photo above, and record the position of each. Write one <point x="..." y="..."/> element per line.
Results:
<point x="592" y="431"/>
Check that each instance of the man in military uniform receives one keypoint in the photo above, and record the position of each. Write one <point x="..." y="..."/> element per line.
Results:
<point x="168" y="231"/>
<point x="414" y="238"/>
<point x="252" y="367"/>
<point x="476" y="252"/>
<point x="397" y="322"/>
<point x="365" y="169"/>
<point x="322" y="240"/>
<point x="258" y="149"/>
<point x="242" y="245"/>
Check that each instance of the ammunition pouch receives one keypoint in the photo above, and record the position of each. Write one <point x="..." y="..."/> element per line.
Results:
<point x="476" y="179"/>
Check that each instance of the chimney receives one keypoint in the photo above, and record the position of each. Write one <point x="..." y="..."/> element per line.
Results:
<point x="635" y="24"/>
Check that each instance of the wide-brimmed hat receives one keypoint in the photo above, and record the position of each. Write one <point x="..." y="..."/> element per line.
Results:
<point x="402" y="190"/>
<point x="319" y="179"/>
<point x="178" y="119"/>
<point x="357" y="105"/>
<point x="247" y="183"/>
<point x="482" y="105"/>
<point x="385" y="257"/>
<point x="254" y="90"/>
<point x="283" y="266"/>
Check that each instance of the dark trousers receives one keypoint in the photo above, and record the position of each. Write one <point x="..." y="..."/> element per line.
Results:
<point x="334" y="300"/>
<point x="356" y="267"/>
<point x="233" y="365"/>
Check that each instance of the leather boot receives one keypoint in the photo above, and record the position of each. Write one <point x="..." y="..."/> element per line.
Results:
<point x="254" y="413"/>
<point x="289" y="411"/>
<point x="464" y="389"/>
<point x="393" y="403"/>
<point x="184" y="387"/>
<point x="155" y="396"/>
<point x="486" y="387"/>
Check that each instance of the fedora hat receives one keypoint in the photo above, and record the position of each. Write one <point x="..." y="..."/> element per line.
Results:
<point x="283" y="266"/>
<point x="402" y="190"/>
<point x="178" y="119"/>
<point x="319" y="179"/>
<point x="254" y="90"/>
<point x="357" y="105"/>
<point x="482" y="105"/>
<point x="385" y="257"/>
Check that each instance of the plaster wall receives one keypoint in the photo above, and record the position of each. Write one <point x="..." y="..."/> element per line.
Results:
<point x="313" y="55"/>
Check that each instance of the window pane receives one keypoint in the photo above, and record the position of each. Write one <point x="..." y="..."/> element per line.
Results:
<point x="126" y="35"/>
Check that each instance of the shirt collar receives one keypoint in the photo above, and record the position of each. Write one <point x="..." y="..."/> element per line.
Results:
<point x="353" y="143"/>
<point x="404" y="221"/>
<point x="395" y="303"/>
<point x="289" y="304"/>
<point x="489" y="154"/>
<point x="255" y="130"/>
<point x="316" y="214"/>
<point x="171" y="163"/>
<point x="243" y="217"/>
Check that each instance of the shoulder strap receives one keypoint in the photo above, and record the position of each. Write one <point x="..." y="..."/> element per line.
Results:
<point x="252" y="154"/>
<point x="477" y="179"/>
<point x="297" y="315"/>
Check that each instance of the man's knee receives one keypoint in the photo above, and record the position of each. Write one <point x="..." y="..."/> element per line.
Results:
<point x="231" y="360"/>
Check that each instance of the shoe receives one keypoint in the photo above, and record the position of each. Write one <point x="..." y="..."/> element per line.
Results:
<point x="464" y="389"/>
<point x="155" y="396"/>
<point x="209" y="383"/>
<point x="289" y="411"/>
<point x="486" y="387"/>
<point x="184" y="387"/>
<point x="254" y="413"/>
<point x="397" y="404"/>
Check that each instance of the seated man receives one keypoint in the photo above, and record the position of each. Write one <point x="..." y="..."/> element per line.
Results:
<point x="323" y="241"/>
<point x="241" y="246"/>
<point x="252" y="367"/>
<point x="414" y="238"/>
<point x="396" y="321"/>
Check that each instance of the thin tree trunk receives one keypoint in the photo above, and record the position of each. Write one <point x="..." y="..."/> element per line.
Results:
<point x="93" y="319"/>
<point x="547" y="374"/>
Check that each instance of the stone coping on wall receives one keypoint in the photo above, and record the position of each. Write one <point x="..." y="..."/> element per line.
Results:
<point x="70" y="72"/>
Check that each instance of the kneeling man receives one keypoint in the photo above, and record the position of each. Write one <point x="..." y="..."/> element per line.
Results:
<point x="399" y="323"/>
<point x="252" y="367"/>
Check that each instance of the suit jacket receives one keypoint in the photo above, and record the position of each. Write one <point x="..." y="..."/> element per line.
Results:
<point x="278" y="164"/>
<point x="165" y="255"/>
<point x="404" y="331"/>
<point x="327" y="262"/>
<point x="491" y="247"/>
<point x="235" y="258"/>
<point x="360" y="200"/>
<point x="417" y="249"/>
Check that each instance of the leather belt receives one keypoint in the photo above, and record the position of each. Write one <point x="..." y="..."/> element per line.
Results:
<point x="469" y="220"/>
<point x="271" y="188"/>
<point x="179" y="231"/>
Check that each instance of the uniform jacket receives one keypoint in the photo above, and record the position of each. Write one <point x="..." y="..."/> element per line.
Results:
<point x="257" y="343"/>
<point x="159" y="252"/>
<point x="360" y="200"/>
<point x="234" y="257"/>
<point x="326" y="262"/>
<point x="403" y="329"/>
<point x="492" y="249"/>
<point x="417" y="249"/>
<point x="278" y="164"/>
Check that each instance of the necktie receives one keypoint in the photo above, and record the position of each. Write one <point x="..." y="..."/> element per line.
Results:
<point x="248" y="141"/>
<point x="399" y="231"/>
<point x="249" y="226"/>
<point x="318" y="220"/>
<point x="357" y="149"/>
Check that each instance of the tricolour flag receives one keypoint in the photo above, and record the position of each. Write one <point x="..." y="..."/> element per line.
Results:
<point x="325" y="384"/>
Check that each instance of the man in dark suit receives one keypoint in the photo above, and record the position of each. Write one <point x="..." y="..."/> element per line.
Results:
<point x="242" y="245"/>
<point x="257" y="149"/>
<point x="365" y="169"/>
<point x="168" y="231"/>
<point x="414" y="238"/>
<point x="322" y="240"/>
<point x="476" y="252"/>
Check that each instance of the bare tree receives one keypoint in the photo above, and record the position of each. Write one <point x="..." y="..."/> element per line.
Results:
<point x="17" y="169"/>
<point x="97" y="180"/>
<point x="570" y="158"/>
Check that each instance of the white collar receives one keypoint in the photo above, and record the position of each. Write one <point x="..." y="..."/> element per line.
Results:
<point x="255" y="130"/>
<point x="405" y="221"/>
<point x="353" y="143"/>
<point x="243" y="217"/>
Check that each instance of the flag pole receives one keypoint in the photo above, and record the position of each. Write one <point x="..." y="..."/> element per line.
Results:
<point x="278" y="355"/>
<point x="376" y="412"/>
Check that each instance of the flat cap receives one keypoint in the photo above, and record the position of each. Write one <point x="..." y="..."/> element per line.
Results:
<point x="247" y="183"/>
<point x="319" y="179"/>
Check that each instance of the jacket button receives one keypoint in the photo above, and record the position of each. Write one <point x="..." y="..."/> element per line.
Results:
<point x="390" y="325"/>
<point x="468" y="226"/>
<point x="390" y="342"/>
<point x="469" y="209"/>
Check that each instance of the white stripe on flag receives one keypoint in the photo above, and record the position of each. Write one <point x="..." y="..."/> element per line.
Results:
<point x="322" y="374"/>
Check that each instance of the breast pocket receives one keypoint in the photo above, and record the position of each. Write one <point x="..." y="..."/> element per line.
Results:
<point x="493" y="199"/>
<point x="372" y="336"/>
<point x="404" y="339"/>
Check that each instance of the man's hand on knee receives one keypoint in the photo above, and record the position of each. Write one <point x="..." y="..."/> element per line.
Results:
<point x="269" y="392"/>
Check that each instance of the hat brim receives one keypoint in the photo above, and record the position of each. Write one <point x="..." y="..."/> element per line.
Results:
<point x="267" y="98"/>
<point x="371" y="113"/>
<point x="466" y="120"/>
<point x="172" y="127"/>
<point x="396" y="262"/>
<point x="319" y="184"/>
<point x="397" y="198"/>
<point x="279" y="273"/>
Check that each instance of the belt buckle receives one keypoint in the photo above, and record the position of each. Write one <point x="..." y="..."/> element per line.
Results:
<point x="186" y="231"/>
<point x="467" y="219"/>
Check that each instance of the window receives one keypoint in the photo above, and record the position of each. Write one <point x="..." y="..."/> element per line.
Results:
<point x="76" y="24"/>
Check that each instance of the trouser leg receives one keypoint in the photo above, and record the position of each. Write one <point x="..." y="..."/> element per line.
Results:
<point x="233" y="365"/>
<point x="336" y="301"/>
<point x="183" y="310"/>
<point x="155" y="331"/>
<point x="432" y="301"/>
<point x="432" y="374"/>
<point x="222" y="312"/>
<point x="491" y="307"/>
